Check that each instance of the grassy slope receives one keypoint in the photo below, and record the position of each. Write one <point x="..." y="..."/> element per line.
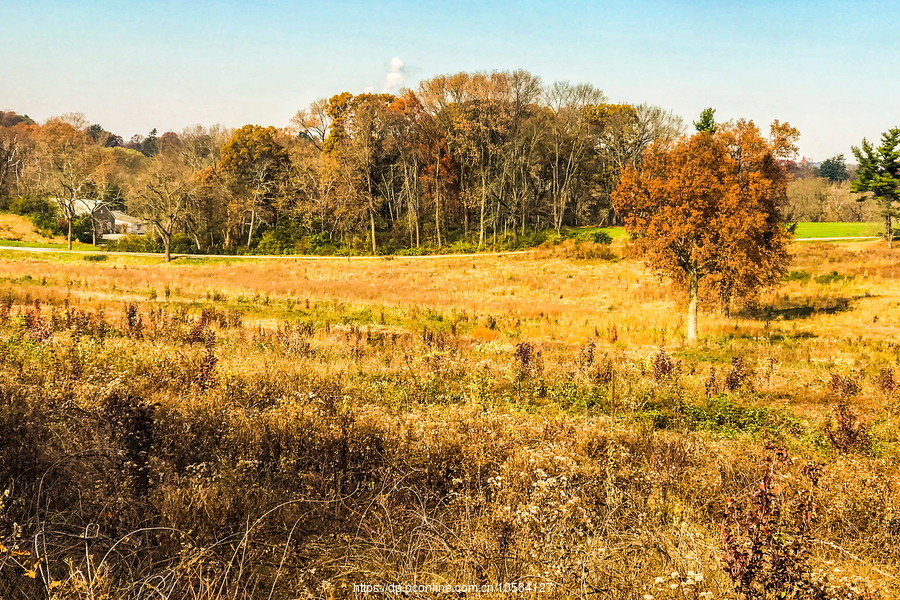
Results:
<point x="20" y="229"/>
<point x="815" y="230"/>
<point x="16" y="230"/>
<point x="613" y="232"/>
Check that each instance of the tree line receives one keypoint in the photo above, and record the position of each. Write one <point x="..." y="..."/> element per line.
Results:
<point x="471" y="160"/>
<point x="465" y="161"/>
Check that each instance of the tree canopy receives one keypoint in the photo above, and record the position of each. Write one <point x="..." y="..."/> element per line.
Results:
<point x="834" y="169"/>
<point x="707" y="121"/>
<point x="879" y="175"/>
<point x="706" y="211"/>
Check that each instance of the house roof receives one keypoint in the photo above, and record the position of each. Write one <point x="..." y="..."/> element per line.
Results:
<point x="120" y="216"/>
<point x="85" y="206"/>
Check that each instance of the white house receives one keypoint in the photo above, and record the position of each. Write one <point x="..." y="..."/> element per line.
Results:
<point x="126" y="224"/>
<point x="110" y="224"/>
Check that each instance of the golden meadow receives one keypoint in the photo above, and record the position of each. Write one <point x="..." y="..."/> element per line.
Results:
<point x="240" y="428"/>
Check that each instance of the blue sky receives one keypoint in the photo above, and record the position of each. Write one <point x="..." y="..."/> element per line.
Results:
<point x="829" y="68"/>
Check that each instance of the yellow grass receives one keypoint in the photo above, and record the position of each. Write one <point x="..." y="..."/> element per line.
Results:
<point x="549" y="298"/>
<point x="503" y="416"/>
<point x="619" y="306"/>
<point x="19" y="229"/>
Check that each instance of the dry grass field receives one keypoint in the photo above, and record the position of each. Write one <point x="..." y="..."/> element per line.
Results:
<point x="19" y="229"/>
<point x="226" y="428"/>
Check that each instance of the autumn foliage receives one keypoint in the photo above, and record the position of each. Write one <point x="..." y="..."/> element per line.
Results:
<point x="464" y="161"/>
<point x="706" y="210"/>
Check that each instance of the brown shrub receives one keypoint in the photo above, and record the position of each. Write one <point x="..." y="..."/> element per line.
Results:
<point x="847" y="432"/>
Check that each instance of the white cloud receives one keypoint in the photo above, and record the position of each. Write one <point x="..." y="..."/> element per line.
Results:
<point x="396" y="77"/>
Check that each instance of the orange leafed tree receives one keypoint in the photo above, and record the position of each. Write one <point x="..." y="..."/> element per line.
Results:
<point x="706" y="210"/>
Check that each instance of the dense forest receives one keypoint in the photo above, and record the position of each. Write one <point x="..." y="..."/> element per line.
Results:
<point x="466" y="161"/>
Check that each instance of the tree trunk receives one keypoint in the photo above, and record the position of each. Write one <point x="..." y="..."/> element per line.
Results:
<point x="167" y="246"/>
<point x="437" y="220"/>
<point x="481" y="217"/>
<point x="693" y="293"/>
<point x="437" y="199"/>
<point x="889" y="230"/>
<point x="69" y="233"/>
<point x="250" y="233"/>
<point x="372" y="227"/>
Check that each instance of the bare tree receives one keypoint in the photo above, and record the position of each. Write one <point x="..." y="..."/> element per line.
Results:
<point x="312" y="123"/>
<point x="16" y="144"/>
<point x="162" y="194"/>
<point x="70" y="167"/>
<point x="571" y="138"/>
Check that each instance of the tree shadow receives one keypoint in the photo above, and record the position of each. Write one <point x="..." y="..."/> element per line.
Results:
<point x="792" y="312"/>
<point x="792" y="337"/>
